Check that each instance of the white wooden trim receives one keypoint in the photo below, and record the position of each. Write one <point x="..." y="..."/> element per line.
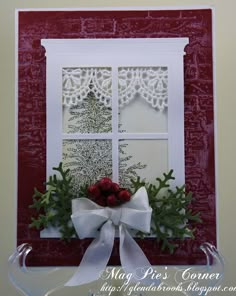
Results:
<point x="176" y="157"/>
<point x="141" y="47"/>
<point x="54" y="116"/>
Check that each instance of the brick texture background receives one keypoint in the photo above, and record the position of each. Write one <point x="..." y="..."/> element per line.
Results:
<point x="199" y="118"/>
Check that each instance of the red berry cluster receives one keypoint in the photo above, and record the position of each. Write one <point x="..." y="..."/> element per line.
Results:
<point x="107" y="193"/>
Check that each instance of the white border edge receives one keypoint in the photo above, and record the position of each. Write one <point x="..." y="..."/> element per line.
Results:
<point x="16" y="126"/>
<point x="119" y="8"/>
<point x="216" y="162"/>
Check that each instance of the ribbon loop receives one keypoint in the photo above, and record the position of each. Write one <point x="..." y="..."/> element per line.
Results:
<point x="88" y="217"/>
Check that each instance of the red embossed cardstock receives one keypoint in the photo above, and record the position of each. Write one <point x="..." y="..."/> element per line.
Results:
<point x="196" y="24"/>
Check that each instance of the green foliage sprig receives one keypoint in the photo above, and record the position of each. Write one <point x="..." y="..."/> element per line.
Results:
<point x="54" y="205"/>
<point x="171" y="213"/>
<point x="170" y="217"/>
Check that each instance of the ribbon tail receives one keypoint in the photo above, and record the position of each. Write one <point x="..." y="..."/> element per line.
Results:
<point x="133" y="260"/>
<point x="95" y="258"/>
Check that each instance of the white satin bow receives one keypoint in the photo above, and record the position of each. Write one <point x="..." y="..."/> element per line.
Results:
<point x="87" y="217"/>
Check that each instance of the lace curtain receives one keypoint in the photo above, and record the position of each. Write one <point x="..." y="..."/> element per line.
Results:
<point x="149" y="83"/>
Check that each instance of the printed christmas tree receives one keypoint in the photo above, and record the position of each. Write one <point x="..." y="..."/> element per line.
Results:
<point x="90" y="160"/>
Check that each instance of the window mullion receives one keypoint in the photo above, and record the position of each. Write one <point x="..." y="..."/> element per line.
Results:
<point x="87" y="136"/>
<point x="115" y="125"/>
<point x="143" y="136"/>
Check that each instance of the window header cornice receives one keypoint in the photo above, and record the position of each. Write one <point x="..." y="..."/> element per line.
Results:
<point x="138" y="45"/>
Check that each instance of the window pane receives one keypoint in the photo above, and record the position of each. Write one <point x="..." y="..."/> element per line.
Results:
<point x="86" y="100"/>
<point x="143" y="99"/>
<point x="88" y="160"/>
<point x="145" y="158"/>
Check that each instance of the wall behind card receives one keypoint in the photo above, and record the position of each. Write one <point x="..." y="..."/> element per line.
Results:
<point x="225" y="48"/>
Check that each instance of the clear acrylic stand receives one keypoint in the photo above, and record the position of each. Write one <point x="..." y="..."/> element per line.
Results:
<point x="198" y="277"/>
<point x="33" y="281"/>
<point x="44" y="281"/>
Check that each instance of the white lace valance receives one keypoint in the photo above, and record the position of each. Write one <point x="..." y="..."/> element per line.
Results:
<point x="78" y="82"/>
<point x="149" y="83"/>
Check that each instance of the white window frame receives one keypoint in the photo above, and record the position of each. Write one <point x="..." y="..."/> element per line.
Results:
<point x="116" y="53"/>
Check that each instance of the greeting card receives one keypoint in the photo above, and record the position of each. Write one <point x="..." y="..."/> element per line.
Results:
<point x="110" y="103"/>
